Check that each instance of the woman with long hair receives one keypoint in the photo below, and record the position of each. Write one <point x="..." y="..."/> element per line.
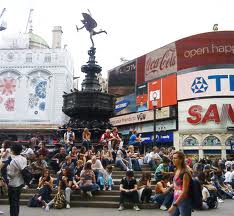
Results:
<point x="181" y="202"/>
<point x="88" y="180"/>
<point x="144" y="187"/>
<point x="86" y="136"/>
<point x="45" y="187"/>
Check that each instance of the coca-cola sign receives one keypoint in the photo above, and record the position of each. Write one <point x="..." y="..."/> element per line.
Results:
<point x="161" y="62"/>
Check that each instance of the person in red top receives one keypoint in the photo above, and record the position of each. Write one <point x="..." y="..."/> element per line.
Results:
<point x="106" y="137"/>
<point x="181" y="203"/>
<point x="116" y="140"/>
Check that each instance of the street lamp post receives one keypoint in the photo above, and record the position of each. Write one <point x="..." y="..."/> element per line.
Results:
<point x="154" y="103"/>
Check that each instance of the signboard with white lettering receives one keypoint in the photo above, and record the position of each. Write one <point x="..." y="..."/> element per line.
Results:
<point x="140" y="117"/>
<point x="215" y="113"/>
<point x="205" y="83"/>
<point x="165" y="137"/>
<point x="125" y="104"/>
<point x="161" y="126"/>
<point x="161" y="62"/>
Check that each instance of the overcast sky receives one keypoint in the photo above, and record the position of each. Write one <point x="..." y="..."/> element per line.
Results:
<point x="134" y="27"/>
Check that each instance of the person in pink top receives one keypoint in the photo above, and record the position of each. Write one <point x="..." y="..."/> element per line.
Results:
<point x="181" y="202"/>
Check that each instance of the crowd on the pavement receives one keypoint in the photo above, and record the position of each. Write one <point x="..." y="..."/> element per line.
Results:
<point x="88" y="168"/>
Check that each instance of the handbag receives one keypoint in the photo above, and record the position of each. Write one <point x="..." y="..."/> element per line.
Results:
<point x="3" y="187"/>
<point x="59" y="200"/>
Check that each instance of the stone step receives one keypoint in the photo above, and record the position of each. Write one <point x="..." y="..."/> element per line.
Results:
<point x="92" y="204"/>
<point x="77" y="192"/>
<point x="77" y="197"/>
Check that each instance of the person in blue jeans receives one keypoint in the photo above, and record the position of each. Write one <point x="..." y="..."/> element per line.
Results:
<point x="136" y="141"/>
<point x="87" y="180"/>
<point x="182" y="204"/>
<point x="164" y="193"/>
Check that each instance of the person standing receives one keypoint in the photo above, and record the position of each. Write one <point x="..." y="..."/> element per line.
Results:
<point x="86" y="136"/>
<point x="69" y="138"/>
<point x="15" y="177"/>
<point x="181" y="202"/>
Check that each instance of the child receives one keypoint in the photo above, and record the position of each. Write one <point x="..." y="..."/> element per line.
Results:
<point x="105" y="179"/>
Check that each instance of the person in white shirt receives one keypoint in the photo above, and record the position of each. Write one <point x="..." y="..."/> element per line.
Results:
<point x="5" y="153"/>
<point x="205" y="196"/>
<point x="69" y="138"/>
<point x="228" y="176"/>
<point x="232" y="176"/>
<point x="97" y="167"/>
<point x="154" y="158"/>
<point x="15" y="177"/>
<point x="28" y="152"/>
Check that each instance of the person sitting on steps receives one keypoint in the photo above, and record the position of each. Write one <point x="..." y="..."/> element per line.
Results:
<point x="128" y="191"/>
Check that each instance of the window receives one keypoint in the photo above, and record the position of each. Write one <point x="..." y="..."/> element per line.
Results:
<point x="211" y="141"/>
<point x="190" y="141"/>
<point x="229" y="141"/>
<point x="47" y="58"/>
<point x="29" y="57"/>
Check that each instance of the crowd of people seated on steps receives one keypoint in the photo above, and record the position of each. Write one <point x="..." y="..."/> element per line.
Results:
<point x="89" y="168"/>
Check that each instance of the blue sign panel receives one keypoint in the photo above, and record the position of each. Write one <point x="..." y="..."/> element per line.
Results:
<point x="160" y="137"/>
<point x="125" y="104"/>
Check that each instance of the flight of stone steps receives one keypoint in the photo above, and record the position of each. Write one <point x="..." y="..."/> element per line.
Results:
<point x="101" y="199"/>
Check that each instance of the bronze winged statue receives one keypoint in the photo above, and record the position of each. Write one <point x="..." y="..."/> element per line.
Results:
<point x="90" y="24"/>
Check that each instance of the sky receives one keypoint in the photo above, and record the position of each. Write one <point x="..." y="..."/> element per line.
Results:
<point x="134" y="27"/>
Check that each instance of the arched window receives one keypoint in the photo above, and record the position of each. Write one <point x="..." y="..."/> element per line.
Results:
<point x="190" y="141"/>
<point x="229" y="141"/>
<point x="211" y="141"/>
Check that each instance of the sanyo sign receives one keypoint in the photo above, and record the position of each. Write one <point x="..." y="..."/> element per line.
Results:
<point x="214" y="82"/>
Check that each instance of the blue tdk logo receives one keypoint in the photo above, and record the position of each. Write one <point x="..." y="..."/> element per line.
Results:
<point x="200" y="85"/>
<point x="121" y="105"/>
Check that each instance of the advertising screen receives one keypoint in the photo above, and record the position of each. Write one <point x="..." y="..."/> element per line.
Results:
<point x="142" y="97"/>
<point x="125" y="104"/>
<point x="140" y="70"/>
<point x="215" y="113"/>
<point x="164" y="90"/>
<point x="206" y="83"/>
<point x="205" y="49"/>
<point x="121" y="80"/>
<point x="161" y="62"/>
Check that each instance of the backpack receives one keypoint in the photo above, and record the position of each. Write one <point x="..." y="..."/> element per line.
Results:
<point x="27" y="175"/>
<point x="34" y="202"/>
<point x="212" y="201"/>
<point x="59" y="201"/>
<point x="195" y="193"/>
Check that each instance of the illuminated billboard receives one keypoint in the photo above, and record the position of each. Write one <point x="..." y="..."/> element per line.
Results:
<point x="121" y="80"/>
<point x="164" y="90"/>
<point x="206" y="83"/>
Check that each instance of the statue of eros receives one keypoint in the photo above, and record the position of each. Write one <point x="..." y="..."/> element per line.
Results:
<point x="90" y="24"/>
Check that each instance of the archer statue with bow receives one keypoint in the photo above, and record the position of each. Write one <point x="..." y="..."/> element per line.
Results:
<point x="90" y="24"/>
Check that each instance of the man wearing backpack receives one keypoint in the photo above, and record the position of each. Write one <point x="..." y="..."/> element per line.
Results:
<point x="16" y="181"/>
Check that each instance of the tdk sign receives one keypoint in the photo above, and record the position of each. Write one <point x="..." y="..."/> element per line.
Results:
<point x="121" y="105"/>
<point x="200" y="85"/>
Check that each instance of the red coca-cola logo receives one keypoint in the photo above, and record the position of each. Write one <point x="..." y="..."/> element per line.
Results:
<point x="154" y="65"/>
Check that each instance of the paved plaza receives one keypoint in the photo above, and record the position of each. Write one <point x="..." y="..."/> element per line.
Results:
<point x="225" y="209"/>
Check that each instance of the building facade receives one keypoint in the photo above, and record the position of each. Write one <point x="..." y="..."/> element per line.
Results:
<point x="33" y="78"/>
<point x="194" y="78"/>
